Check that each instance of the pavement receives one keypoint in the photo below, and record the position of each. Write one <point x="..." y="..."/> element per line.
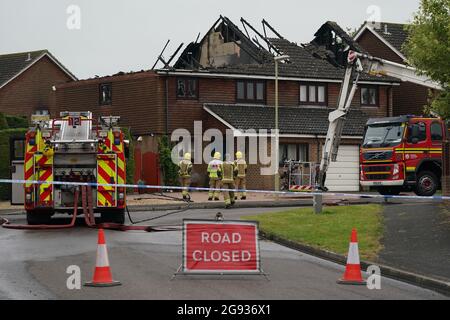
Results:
<point x="417" y="238"/>
<point x="33" y="266"/>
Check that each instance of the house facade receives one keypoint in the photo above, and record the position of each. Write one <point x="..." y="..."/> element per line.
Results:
<point x="27" y="80"/>
<point x="226" y="81"/>
<point x="386" y="40"/>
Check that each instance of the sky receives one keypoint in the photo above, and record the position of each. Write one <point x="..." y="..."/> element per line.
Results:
<point x="103" y="37"/>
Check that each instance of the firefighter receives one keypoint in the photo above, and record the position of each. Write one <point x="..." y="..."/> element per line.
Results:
<point x="185" y="172"/>
<point x="48" y="149"/>
<point x="215" y="174"/>
<point x="240" y="166"/>
<point x="228" y="175"/>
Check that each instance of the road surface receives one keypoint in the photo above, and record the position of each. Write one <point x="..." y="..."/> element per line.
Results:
<point x="33" y="266"/>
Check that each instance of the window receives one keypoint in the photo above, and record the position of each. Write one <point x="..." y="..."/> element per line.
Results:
<point x="313" y="94"/>
<point x="369" y="96"/>
<point x="436" y="132"/>
<point x="251" y="91"/>
<point x="187" y="88"/>
<point x="421" y="133"/>
<point x="105" y="94"/>
<point x="296" y="152"/>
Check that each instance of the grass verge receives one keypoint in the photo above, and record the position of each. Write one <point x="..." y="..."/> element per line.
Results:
<point x="330" y="230"/>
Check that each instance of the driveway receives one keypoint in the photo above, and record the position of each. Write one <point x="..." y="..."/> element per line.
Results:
<point x="417" y="238"/>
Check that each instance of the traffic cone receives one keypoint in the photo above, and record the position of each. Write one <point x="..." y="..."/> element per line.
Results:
<point x="102" y="274"/>
<point x="352" y="273"/>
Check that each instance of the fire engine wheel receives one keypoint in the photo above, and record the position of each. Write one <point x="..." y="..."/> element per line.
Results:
<point x="38" y="218"/>
<point x="389" y="191"/>
<point x="427" y="184"/>
<point x="116" y="216"/>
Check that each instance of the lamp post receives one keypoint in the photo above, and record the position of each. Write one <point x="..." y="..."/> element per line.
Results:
<point x="277" y="135"/>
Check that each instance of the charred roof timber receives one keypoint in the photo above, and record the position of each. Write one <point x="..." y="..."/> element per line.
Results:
<point x="332" y="43"/>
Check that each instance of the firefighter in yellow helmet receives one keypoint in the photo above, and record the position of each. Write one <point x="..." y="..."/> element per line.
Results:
<point x="215" y="174"/>
<point x="48" y="149"/>
<point x="228" y="175"/>
<point x="240" y="166"/>
<point x="185" y="171"/>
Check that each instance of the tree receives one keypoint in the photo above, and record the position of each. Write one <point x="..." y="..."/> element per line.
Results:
<point x="428" y="48"/>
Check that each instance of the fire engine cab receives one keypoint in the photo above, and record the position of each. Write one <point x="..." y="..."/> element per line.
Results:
<point x="403" y="154"/>
<point x="74" y="148"/>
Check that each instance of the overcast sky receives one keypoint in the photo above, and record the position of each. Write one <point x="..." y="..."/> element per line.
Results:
<point x="128" y="35"/>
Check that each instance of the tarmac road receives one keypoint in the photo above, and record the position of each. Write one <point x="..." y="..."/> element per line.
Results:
<point x="33" y="266"/>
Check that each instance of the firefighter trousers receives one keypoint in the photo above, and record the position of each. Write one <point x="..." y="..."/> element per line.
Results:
<point x="228" y="195"/>
<point x="241" y="184"/>
<point x="214" y="184"/>
<point x="185" y="183"/>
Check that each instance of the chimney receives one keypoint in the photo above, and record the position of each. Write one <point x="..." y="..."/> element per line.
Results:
<point x="29" y="57"/>
<point x="386" y="29"/>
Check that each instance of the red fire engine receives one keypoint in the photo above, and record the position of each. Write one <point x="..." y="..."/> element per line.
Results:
<point x="75" y="149"/>
<point x="403" y="154"/>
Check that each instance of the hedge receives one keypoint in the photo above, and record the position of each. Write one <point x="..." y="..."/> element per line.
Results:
<point x="17" y="122"/>
<point x="5" y="135"/>
<point x="3" y="122"/>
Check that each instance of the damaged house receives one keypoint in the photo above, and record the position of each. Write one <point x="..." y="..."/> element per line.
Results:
<point x="226" y="79"/>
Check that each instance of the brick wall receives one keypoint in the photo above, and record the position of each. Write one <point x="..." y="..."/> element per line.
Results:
<point x="408" y="98"/>
<point x="137" y="98"/>
<point x="32" y="90"/>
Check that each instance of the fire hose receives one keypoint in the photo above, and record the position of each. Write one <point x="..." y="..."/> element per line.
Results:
<point x="89" y="218"/>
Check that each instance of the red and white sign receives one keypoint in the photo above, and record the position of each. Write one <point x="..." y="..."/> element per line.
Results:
<point x="220" y="247"/>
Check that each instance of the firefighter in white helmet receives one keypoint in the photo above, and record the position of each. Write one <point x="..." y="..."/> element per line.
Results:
<point x="185" y="171"/>
<point x="240" y="166"/>
<point x="215" y="174"/>
<point x="228" y="175"/>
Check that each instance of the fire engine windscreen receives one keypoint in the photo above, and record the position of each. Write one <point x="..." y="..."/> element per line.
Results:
<point x="384" y="135"/>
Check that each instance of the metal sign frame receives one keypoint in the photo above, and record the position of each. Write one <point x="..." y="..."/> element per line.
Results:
<point x="182" y="270"/>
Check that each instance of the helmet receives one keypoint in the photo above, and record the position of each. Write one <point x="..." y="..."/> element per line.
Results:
<point x="217" y="156"/>
<point x="187" y="156"/>
<point x="239" y="155"/>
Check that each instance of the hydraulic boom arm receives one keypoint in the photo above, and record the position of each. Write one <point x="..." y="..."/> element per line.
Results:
<point x="358" y="63"/>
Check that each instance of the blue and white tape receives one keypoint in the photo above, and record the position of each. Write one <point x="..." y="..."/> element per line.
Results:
<point x="151" y="187"/>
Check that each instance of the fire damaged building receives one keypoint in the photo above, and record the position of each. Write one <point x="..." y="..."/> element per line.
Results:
<point x="226" y="80"/>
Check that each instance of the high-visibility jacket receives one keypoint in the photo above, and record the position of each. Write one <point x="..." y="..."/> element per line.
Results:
<point x="228" y="172"/>
<point x="185" y="168"/>
<point x="241" y="168"/>
<point x="215" y="169"/>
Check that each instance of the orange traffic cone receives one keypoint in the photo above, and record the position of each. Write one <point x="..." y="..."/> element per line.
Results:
<point x="102" y="274"/>
<point x="352" y="273"/>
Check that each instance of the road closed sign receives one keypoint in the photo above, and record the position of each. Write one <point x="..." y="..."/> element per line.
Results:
<point x="220" y="247"/>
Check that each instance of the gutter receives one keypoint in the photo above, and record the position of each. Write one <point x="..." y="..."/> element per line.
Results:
<point x="205" y="74"/>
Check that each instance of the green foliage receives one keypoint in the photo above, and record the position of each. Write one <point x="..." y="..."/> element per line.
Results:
<point x="5" y="173"/>
<point x="130" y="163"/>
<point x="168" y="168"/>
<point x="17" y="122"/>
<point x="3" y="122"/>
<point x="428" y="48"/>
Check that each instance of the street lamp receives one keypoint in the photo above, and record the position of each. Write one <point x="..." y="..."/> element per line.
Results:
<point x="277" y="136"/>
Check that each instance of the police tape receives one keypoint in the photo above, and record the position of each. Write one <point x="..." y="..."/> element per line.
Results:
<point x="174" y="188"/>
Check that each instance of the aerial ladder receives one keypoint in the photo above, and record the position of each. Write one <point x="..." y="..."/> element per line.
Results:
<point x="357" y="64"/>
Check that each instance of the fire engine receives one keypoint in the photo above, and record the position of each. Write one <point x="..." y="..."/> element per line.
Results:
<point x="74" y="148"/>
<point x="402" y="153"/>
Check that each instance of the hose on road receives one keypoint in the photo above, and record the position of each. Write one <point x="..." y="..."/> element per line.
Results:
<point x="89" y="218"/>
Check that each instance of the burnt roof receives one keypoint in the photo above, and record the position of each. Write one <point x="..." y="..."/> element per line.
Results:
<point x="314" y="60"/>
<point x="292" y="120"/>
